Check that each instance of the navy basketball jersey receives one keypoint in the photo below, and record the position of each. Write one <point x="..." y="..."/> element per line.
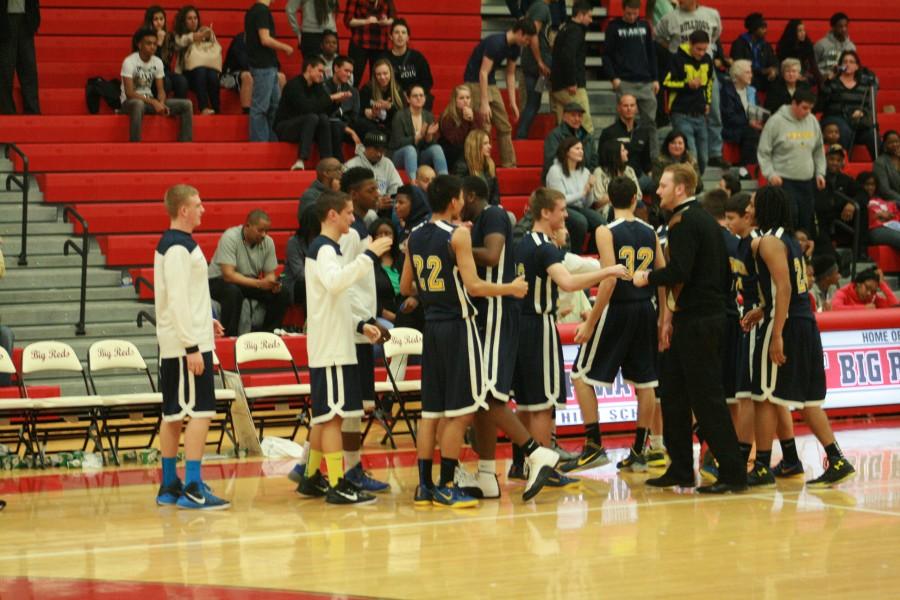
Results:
<point x="732" y="243"/>
<point x="634" y="244"/>
<point x="799" y="306"/>
<point x="536" y="253"/>
<point x="494" y="220"/>
<point x="745" y="268"/>
<point x="437" y="277"/>
<point x="359" y="225"/>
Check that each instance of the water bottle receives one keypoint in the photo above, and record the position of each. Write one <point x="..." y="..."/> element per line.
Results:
<point x="126" y="279"/>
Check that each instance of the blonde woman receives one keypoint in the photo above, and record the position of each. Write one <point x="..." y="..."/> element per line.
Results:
<point x="782" y="90"/>
<point x="380" y="100"/>
<point x="458" y="120"/>
<point x="477" y="162"/>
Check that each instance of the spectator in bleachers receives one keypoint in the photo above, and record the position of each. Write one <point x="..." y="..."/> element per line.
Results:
<point x="883" y="215"/>
<point x="730" y="183"/>
<point x="790" y="154"/>
<point x="741" y="125"/>
<point x="143" y="90"/>
<point x="477" y="162"/>
<point x="394" y="309"/>
<point x="176" y="84"/>
<point x="846" y="101"/>
<point x="328" y="178"/>
<point x="752" y="46"/>
<point x="302" y="116"/>
<point x="535" y="60"/>
<point x="259" y="29"/>
<point x="410" y="66"/>
<point x="834" y="203"/>
<point x="236" y="73"/>
<point x="370" y="155"/>
<point x="795" y="43"/>
<point x="674" y="150"/>
<point x="674" y="30"/>
<point x="328" y="50"/>
<point x="612" y="162"/>
<point x="637" y="137"/>
<point x="370" y="23"/>
<point x="414" y="134"/>
<point x="424" y="176"/>
<point x="571" y="178"/>
<point x="489" y="54"/>
<point x="867" y="290"/>
<point x="631" y="65"/>
<point x="826" y="277"/>
<point x="19" y="22"/>
<point x="887" y="167"/>
<point x="317" y="17"/>
<point x="457" y="121"/>
<point x="345" y="113"/>
<point x="572" y="125"/>
<point x="690" y="83"/>
<point x="568" y="77"/>
<point x="380" y="99"/>
<point x="830" y="48"/>
<point x="203" y="81"/>
<point x="411" y="208"/>
<point x="782" y="89"/>
<point x="294" y="275"/>
<point x="243" y="268"/>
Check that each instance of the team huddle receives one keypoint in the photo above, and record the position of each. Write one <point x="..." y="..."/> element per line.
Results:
<point x="491" y="336"/>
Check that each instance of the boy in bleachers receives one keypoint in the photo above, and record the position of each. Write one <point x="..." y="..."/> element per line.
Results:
<point x="370" y="154"/>
<point x="259" y="29"/>
<point x="410" y="66"/>
<point x="568" y="79"/>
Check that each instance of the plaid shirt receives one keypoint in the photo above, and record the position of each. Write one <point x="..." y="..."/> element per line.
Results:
<point x="370" y="37"/>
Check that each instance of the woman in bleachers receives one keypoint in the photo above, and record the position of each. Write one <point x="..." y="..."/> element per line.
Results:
<point x="370" y="23"/>
<point x="380" y="100"/>
<point x="457" y="121"/>
<point x="887" y="167"/>
<point x="782" y="90"/>
<point x="204" y="81"/>
<point x="846" y="101"/>
<point x="394" y="310"/>
<point x="795" y="43"/>
<point x="739" y="124"/>
<point x="612" y="162"/>
<point x="883" y="214"/>
<point x="317" y="17"/>
<point x="674" y="150"/>
<point x="477" y="161"/>
<point x="569" y="176"/>
<point x="175" y="84"/>
<point x="414" y="134"/>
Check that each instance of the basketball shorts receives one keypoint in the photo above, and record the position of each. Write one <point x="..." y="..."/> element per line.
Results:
<point x="452" y="369"/>
<point x="800" y="381"/>
<point x="185" y="394"/>
<point x="335" y="392"/>
<point x="501" y="344"/>
<point x="539" y="382"/>
<point x="745" y="368"/>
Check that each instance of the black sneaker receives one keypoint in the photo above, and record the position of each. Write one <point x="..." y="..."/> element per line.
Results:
<point x="347" y="493"/>
<point x="591" y="456"/>
<point x="837" y="472"/>
<point x="517" y="472"/>
<point x="784" y="470"/>
<point x="666" y="481"/>
<point x="313" y="487"/>
<point x="168" y="495"/>
<point x="760" y="477"/>
<point x="718" y="161"/>
<point x="634" y="462"/>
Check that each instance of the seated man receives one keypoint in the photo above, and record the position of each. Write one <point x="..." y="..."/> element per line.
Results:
<point x="638" y="140"/>
<point x="572" y="125"/>
<point x="410" y="66"/>
<point x="867" y="290"/>
<point x="826" y="278"/>
<point x="424" y="176"/>
<point x="344" y="112"/>
<point x="143" y="89"/>
<point x="835" y="203"/>
<point x="243" y="267"/>
<point x="371" y="156"/>
<point x="328" y="178"/>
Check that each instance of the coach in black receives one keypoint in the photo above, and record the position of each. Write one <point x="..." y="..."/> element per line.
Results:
<point x="698" y="278"/>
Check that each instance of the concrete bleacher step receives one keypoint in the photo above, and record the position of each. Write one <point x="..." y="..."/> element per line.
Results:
<point x="127" y="329"/>
<point x="54" y="261"/>
<point x="48" y="227"/>
<point x="11" y="216"/>
<point x="43" y="243"/>
<point x="60" y="277"/>
<point x="67" y="312"/>
<point x="53" y="295"/>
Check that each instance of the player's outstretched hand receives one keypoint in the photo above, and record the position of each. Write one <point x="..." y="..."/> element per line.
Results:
<point x="617" y="271"/>
<point x="519" y="287"/>
<point x="639" y="279"/>
<point x="380" y="245"/>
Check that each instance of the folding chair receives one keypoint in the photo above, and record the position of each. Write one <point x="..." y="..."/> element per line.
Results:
<point x="63" y="417"/>
<point x="15" y="413"/>
<point x="270" y="348"/>
<point x="404" y="342"/>
<point x="128" y="412"/>
<point x="224" y="398"/>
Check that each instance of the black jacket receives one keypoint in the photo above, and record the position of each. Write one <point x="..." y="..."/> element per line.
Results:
<point x="32" y="17"/>
<point x="569" y="54"/>
<point x="298" y="98"/>
<point x="778" y="94"/>
<point x="684" y="67"/>
<point x="630" y="52"/>
<point x="411" y="68"/>
<point x="637" y="141"/>
<point x="734" y="117"/>
<point x="760" y="53"/>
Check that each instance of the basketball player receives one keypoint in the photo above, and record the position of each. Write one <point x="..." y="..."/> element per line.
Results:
<point x="539" y="380"/>
<point x="441" y="269"/>
<point x="184" y="331"/>
<point x="623" y="329"/>
<point x="333" y="367"/>
<point x="788" y="366"/>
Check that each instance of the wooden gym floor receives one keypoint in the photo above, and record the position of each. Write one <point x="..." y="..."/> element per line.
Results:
<point x="99" y="535"/>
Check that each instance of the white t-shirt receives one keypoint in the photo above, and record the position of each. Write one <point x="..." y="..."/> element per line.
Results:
<point x="143" y="74"/>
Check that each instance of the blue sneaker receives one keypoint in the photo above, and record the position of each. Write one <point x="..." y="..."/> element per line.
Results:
<point x="168" y="494"/>
<point x="558" y="480"/>
<point x="424" y="496"/>
<point x="361" y="479"/>
<point x="297" y="473"/>
<point x="199" y="497"/>
<point x="452" y="497"/>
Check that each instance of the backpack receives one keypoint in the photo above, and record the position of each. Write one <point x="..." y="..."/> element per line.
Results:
<point x="97" y="88"/>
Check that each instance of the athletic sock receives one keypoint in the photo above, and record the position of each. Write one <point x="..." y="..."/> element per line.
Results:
<point x="592" y="433"/>
<point x="833" y="451"/>
<point x="640" y="440"/>
<point x="335" y="462"/>
<point x="192" y="472"/>
<point x="764" y="457"/>
<point x="656" y="442"/>
<point x="313" y="462"/>
<point x="425" y="477"/>
<point x="448" y="467"/>
<point x="789" y="451"/>
<point x="351" y="459"/>
<point x="529" y="448"/>
<point x="487" y="466"/>
<point x="518" y="454"/>
<point x="305" y="452"/>
<point x="746" y="449"/>
<point x="169" y="474"/>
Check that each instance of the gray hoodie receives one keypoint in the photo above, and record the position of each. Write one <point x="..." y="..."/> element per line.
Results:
<point x="796" y="147"/>
<point x="828" y="50"/>
<point x="676" y="27"/>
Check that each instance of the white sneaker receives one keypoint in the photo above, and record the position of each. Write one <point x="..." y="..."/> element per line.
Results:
<point x="298" y="166"/>
<point x="466" y="482"/>
<point x="540" y="463"/>
<point x="490" y="487"/>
